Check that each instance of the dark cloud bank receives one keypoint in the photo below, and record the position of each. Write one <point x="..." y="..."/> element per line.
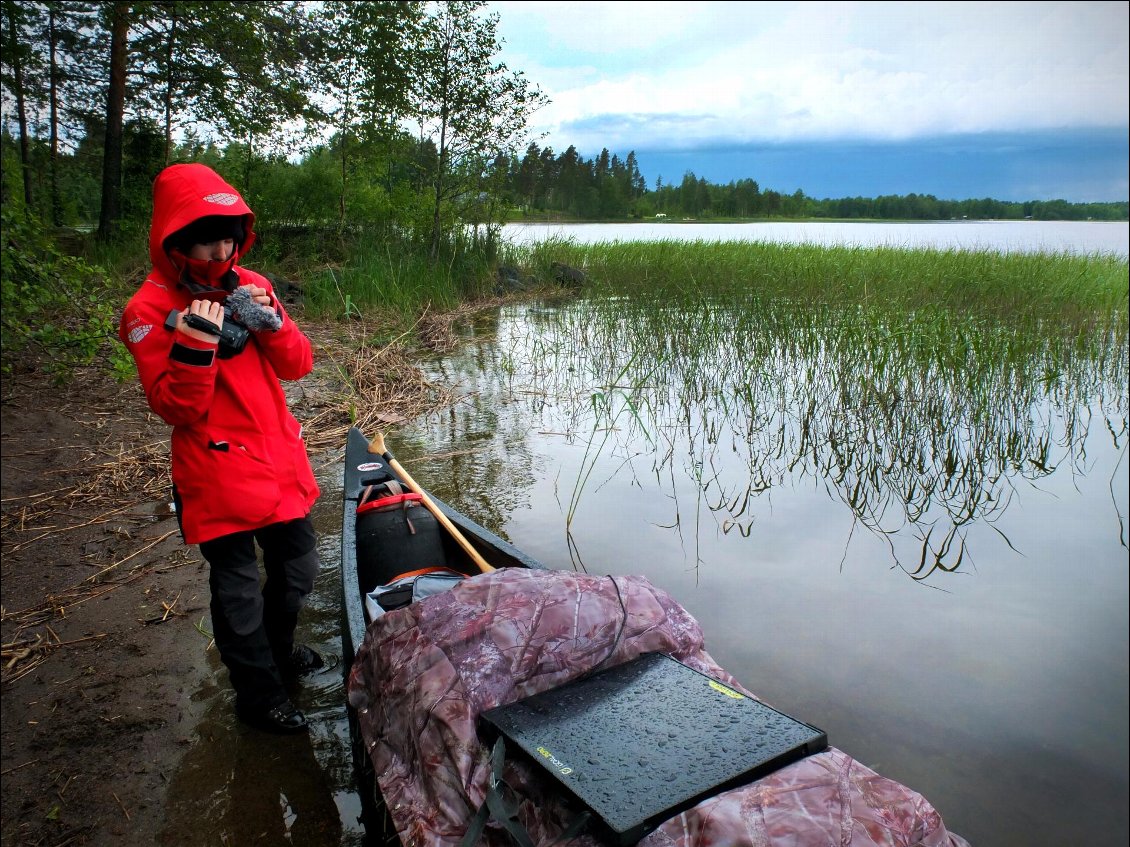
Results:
<point x="1077" y="165"/>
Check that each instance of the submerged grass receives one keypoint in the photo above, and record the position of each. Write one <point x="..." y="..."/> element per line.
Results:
<point x="921" y="424"/>
<point x="918" y="386"/>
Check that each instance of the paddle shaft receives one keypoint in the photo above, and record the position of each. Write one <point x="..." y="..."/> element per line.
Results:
<point x="435" y="510"/>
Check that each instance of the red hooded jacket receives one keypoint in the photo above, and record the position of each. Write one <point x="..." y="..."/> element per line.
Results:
<point x="238" y="458"/>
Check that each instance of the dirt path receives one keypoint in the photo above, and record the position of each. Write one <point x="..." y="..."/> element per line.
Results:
<point x="104" y="610"/>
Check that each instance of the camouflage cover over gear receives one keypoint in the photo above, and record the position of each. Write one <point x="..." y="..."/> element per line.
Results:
<point x="425" y="673"/>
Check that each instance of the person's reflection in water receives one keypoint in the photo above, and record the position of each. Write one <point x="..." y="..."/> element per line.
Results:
<point x="287" y="775"/>
<point x="240" y="787"/>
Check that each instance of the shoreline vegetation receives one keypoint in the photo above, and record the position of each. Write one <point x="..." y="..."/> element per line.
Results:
<point x="968" y="319"/>
<point x="62" y="299"/>
<point x="362" y="220"/>
<point x="1117" y="215"/>
<point x="1057" y="288"/>
<point x="565" y="220"/>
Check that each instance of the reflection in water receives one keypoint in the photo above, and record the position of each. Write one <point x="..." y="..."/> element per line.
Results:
<point x="923" y="425"/>
<point x="239" y="786"/>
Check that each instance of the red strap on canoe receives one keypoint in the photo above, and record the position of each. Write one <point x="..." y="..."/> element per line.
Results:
<point x="401" y="500"/>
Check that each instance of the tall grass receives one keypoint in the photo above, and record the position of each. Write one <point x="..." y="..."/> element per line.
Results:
<point x="1077" y="290"/>
<point x="64" y="292"/>
<point x="396" y="279"/>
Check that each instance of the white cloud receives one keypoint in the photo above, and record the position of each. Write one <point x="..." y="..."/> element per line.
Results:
<point x="621" y="73"/>
<point x="601" y="28"/>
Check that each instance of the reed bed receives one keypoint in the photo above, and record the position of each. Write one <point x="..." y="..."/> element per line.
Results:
<point x="917" y="386"/>
<point x="1074" y="290"/>
<point x="377" y="383"/>
<point x="381" y="282"/>
<point x="920" y="422"/>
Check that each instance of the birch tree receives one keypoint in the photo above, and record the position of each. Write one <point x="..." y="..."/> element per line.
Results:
<point x="470" y="107"/>
<point x="364" y="73"/>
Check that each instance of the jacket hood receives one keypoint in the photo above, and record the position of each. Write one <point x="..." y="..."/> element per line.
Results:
<point x="185" y="193"/>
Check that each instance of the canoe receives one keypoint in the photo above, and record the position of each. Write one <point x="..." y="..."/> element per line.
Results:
<point x="362" y="470"/>
<point x="512" y="631"/>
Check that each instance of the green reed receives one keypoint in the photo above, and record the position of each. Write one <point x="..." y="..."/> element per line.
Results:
<point x="1075" y="290"/>
<point x="395" y="280"/>
<point x="920" y="422"/>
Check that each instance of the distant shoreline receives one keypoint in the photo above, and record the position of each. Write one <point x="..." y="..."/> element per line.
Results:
<point x="567" y="221"/>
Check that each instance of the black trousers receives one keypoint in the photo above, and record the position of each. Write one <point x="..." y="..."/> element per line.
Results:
<point x="253" y="626"/>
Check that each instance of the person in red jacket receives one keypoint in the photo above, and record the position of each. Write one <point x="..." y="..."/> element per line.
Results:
<point x="241" y="475"/>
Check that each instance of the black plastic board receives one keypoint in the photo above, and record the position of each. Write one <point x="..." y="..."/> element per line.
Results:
<point x="645" y="740"/>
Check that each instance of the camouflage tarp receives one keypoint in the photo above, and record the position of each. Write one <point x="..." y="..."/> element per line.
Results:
<point x="425" y="673"/>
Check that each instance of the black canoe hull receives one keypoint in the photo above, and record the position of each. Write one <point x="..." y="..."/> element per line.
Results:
<point x="361" y="469"/>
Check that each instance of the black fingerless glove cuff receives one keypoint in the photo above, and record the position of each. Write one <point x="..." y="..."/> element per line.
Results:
<point x="192" y="356"/>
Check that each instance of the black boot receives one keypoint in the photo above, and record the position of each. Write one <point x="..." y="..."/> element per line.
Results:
<point x="283" y="719"/>
<point x="304" y="661"/>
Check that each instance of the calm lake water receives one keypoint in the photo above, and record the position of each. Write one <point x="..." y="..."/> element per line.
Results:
<point x="802" y="488"/>
<point x="791" y="522"/>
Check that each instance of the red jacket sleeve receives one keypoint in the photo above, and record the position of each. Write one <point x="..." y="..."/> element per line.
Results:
<point x="178" y="373"/>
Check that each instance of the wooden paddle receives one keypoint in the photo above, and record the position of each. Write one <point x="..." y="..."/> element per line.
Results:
<point x="377" y="445"/>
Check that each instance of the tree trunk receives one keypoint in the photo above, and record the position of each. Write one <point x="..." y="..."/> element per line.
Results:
<point x="341" y="197"/>
<point x="247" y="163"/>
<point x="346" y="118"/>
<point x="434" y="251"/>
<point x="169" y="87"/>
<point x="115" y="112"/>
<point x="21" y="110"/>
<point x="441" y="165"/>
<point x="246" y="189"/>
<point x="56" y="201"/>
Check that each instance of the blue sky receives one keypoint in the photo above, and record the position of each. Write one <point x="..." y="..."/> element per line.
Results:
<point x="1011" y="100"/>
